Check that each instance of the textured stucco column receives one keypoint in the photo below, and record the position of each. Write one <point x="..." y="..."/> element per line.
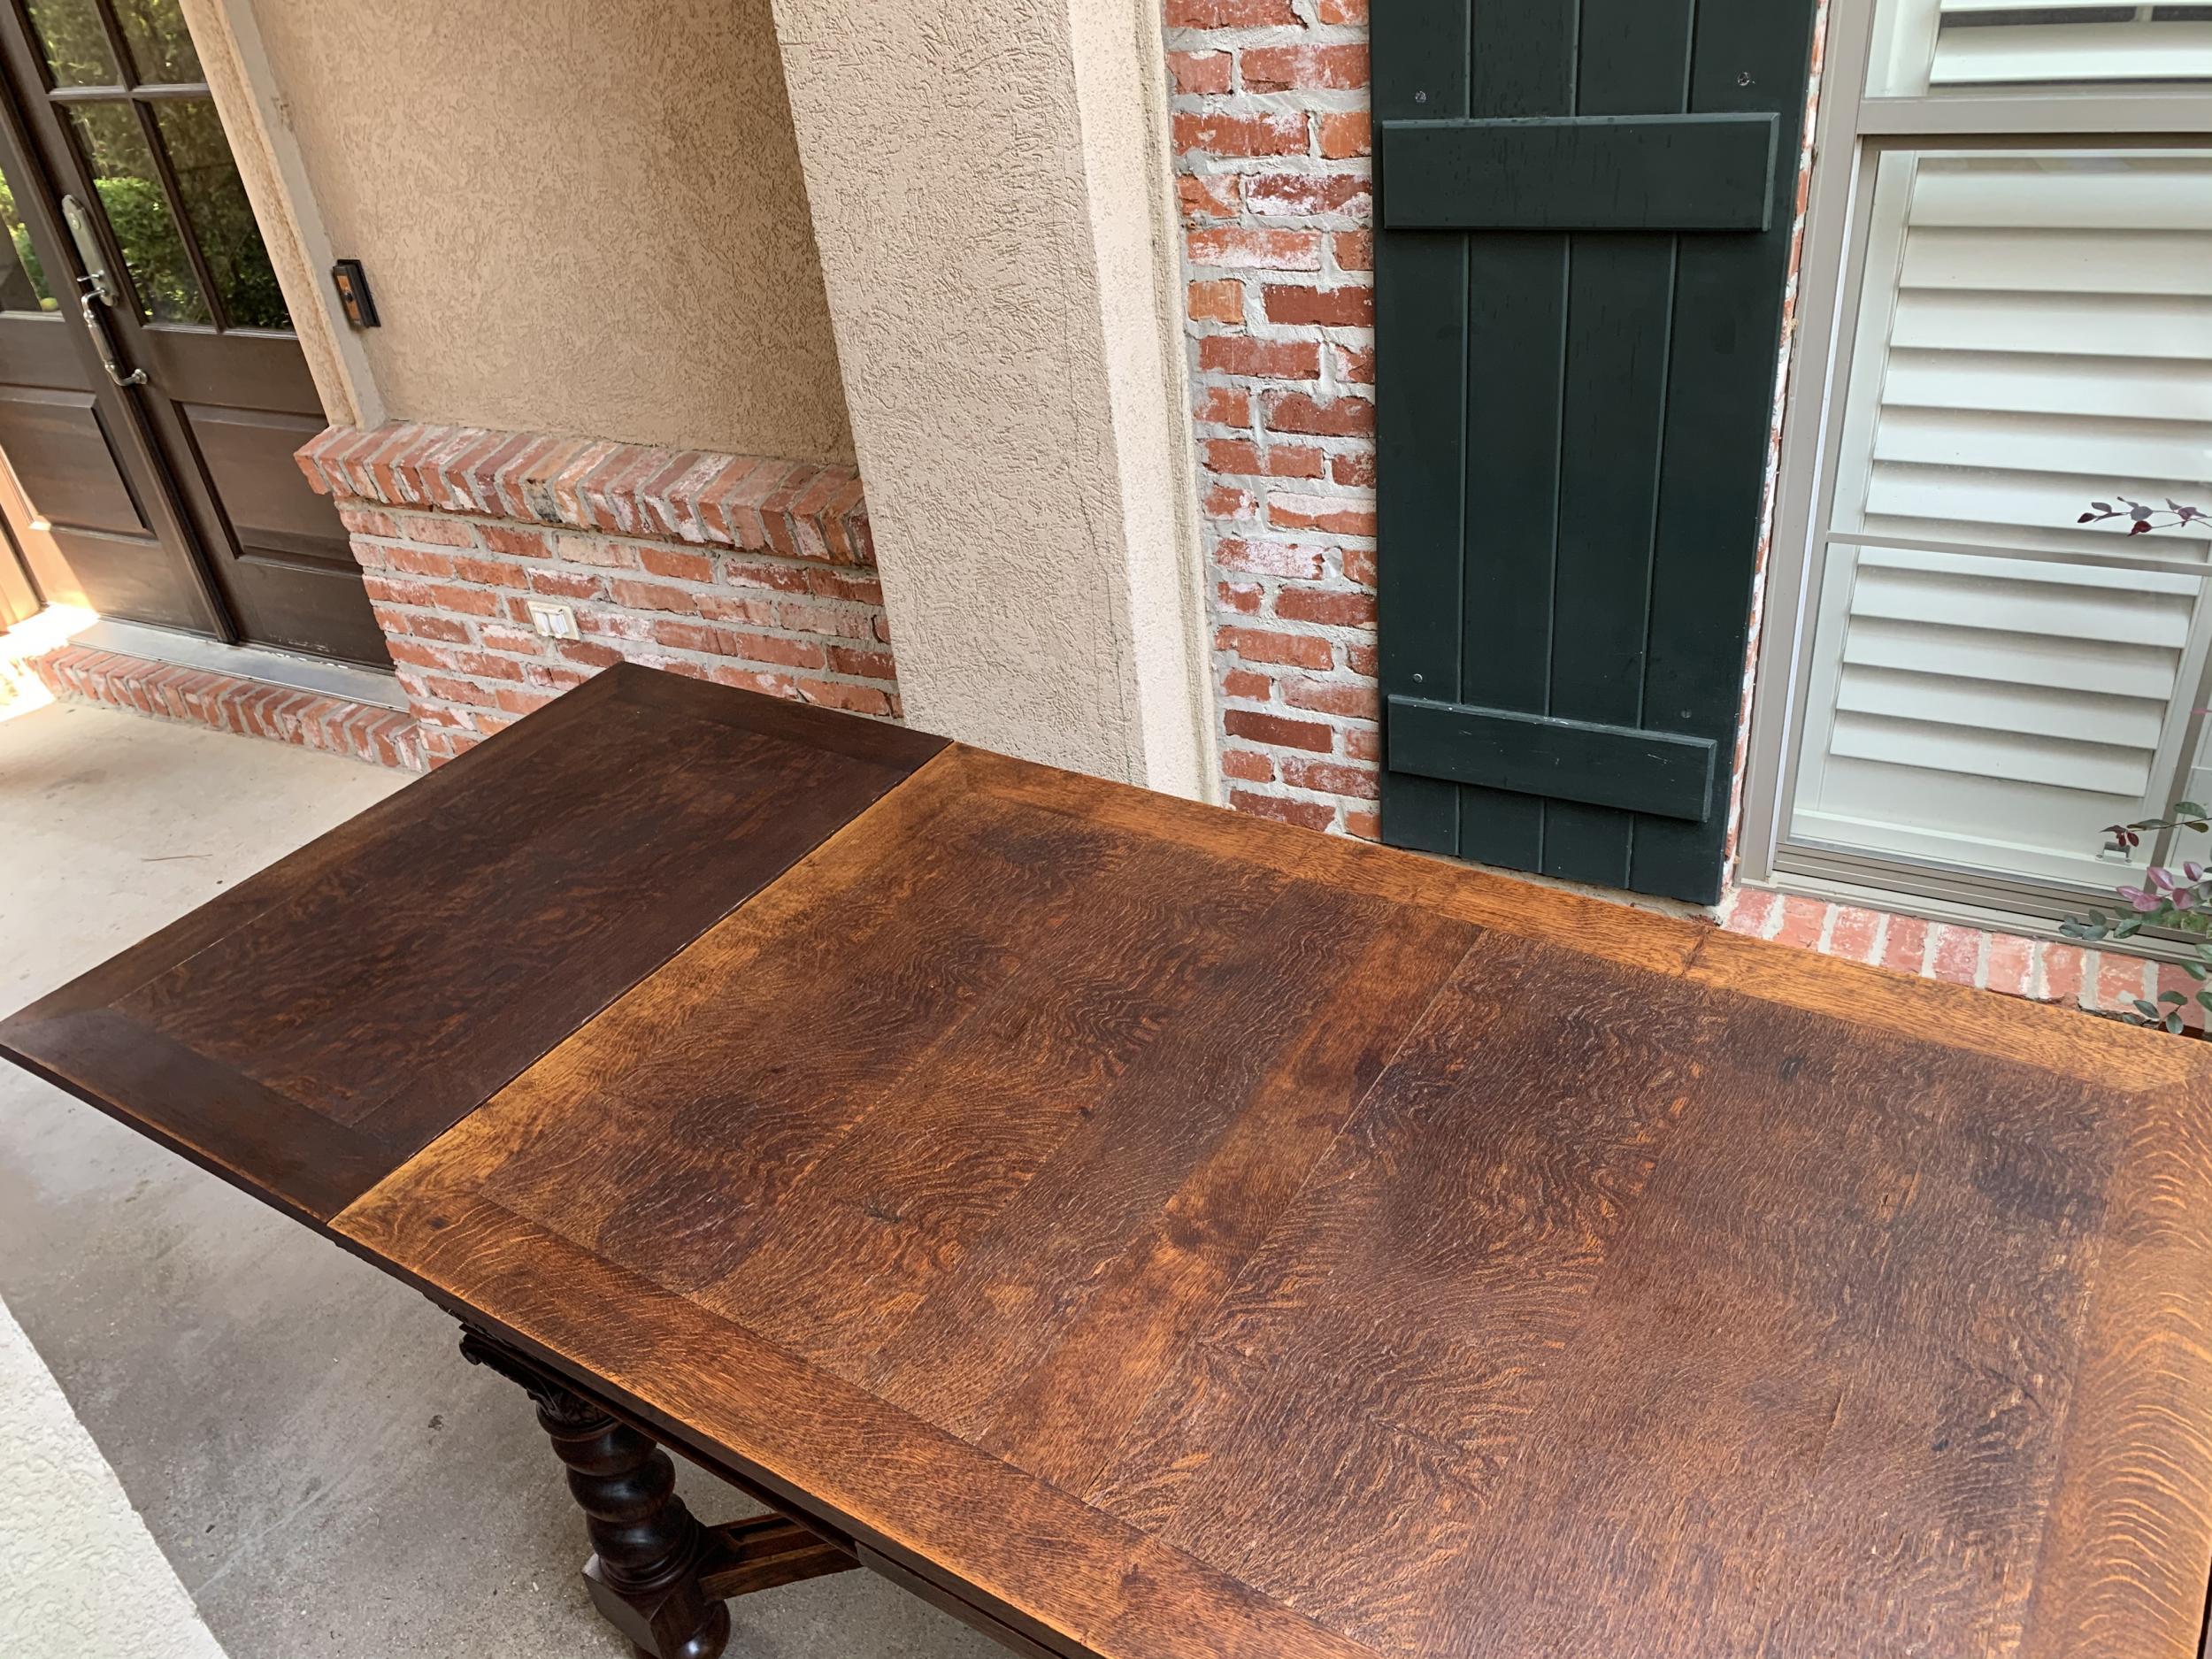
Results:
<point x="989" y="185"/>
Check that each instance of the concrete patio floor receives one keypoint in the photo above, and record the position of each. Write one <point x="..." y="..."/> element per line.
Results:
<point x="326" y="1476"/>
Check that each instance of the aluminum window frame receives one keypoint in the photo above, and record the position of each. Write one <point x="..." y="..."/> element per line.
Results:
<point x="1851" y="129"/>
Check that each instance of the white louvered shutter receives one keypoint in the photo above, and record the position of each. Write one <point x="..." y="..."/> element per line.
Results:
<point x="1935" y="46"/>
<point x="2036" y="334"/>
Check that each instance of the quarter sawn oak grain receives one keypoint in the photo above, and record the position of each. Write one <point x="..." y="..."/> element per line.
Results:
<point x="313" y="1028"/>
<point x="1149" y="1233"/>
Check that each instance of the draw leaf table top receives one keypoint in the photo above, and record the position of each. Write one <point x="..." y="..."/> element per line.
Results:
<point x="1151" y="1232"/>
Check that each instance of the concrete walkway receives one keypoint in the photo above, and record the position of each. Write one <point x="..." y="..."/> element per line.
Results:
<point x="327" y="1476"/>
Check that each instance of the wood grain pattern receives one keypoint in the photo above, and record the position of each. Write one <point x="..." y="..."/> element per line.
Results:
<point x="1150" y="1232"/>
<point x="344" y="1006"/>
<point x="1200" y="1234"/>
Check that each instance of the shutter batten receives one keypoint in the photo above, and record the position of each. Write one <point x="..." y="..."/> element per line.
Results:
<point x="1584" y="214"/>
<point x="1676" y="172"/>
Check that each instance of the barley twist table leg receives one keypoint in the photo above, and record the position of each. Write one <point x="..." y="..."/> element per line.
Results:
<point x="647" y="1548"/>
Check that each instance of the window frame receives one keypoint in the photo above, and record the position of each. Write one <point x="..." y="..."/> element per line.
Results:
<point x="1851" y="131"/>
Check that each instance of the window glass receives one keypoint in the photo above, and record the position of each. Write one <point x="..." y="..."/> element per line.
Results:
<point x="1938" y="46"/>
<point x="1990" y="713"/>
<point x="2035" y="333"/>
<point x="222" y="218"/>
<point x="159" y="41"/>
<point x="22" y="281"/>
<point x="130" y="192"/>
<point x="76" y="46"/>
<point x="1992" y="681"/>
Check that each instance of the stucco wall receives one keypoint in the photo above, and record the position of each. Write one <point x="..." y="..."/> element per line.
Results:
<point x="984" y="175"/>
<point x="580" y="216"/>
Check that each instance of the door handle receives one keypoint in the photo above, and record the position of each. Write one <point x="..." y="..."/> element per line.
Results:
<point x="96" y="287"/>
<point x="89" y="250"/>
<point x="88" y="299"/>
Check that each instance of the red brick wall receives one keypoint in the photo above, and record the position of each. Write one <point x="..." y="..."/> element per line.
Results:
<point x="1270" y="139"/>
<point x="754" y="573"/>
<point x="1270" y="135"/>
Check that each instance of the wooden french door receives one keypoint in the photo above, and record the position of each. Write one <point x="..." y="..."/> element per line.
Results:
<point x="152" y="387"/>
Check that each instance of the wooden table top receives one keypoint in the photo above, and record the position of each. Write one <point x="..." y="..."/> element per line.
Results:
<point x="1175" y="1233"/>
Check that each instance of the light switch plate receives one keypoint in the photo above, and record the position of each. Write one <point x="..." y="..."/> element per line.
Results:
<point x="553" y="620"/>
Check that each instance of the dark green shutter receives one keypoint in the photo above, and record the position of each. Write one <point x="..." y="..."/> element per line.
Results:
<point x="1585" y="213"/>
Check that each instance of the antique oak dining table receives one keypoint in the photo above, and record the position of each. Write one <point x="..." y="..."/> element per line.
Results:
<point x="1146" y="1230"/>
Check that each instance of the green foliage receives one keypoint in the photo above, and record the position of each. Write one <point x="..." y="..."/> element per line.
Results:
<point x="160" y="269"/>
<point x="108" y="135"/>
<point x="28" y="258"/>
<point x="2178" y="898"/>
<point x="75" y="44"/>
<point x="222" y="218"/>
<point x="77" y="47"/>
<point x="19" y="235"/>
<point x="2166" y="1012"/>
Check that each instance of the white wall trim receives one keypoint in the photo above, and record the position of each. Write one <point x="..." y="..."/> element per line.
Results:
<point x="229" y="37"/>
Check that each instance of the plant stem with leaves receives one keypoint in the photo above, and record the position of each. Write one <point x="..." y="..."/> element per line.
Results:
<point x="2178" y="898"/>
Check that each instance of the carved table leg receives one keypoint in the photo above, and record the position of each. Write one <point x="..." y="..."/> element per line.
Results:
<point x="644" y="1575"/>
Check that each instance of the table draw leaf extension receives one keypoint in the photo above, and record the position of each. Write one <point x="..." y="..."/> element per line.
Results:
<point x="1151" y="1232"/>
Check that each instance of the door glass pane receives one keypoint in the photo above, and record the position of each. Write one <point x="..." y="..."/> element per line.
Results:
<point x="1990" y="682"/>
<point x="222" y="218"/>
<point x="130" y="191"/>
<point x="22" y="282"/>
<point x="75" y="45"/>
<point x="159" y="41"/>
<point x="1936" y="46"/>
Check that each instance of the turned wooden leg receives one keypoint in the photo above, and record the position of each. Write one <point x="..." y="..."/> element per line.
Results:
<point x="644" y="1574"/>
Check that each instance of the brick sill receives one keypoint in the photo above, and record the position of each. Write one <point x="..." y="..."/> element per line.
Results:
<point x="349" y="682"/>
<point x="748" y="570"/>
<point x="232" y="703"/>
<point x="2014" y="964"/>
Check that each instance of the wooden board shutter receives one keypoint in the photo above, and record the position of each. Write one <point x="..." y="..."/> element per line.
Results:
<point x="1584" y="224"/>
